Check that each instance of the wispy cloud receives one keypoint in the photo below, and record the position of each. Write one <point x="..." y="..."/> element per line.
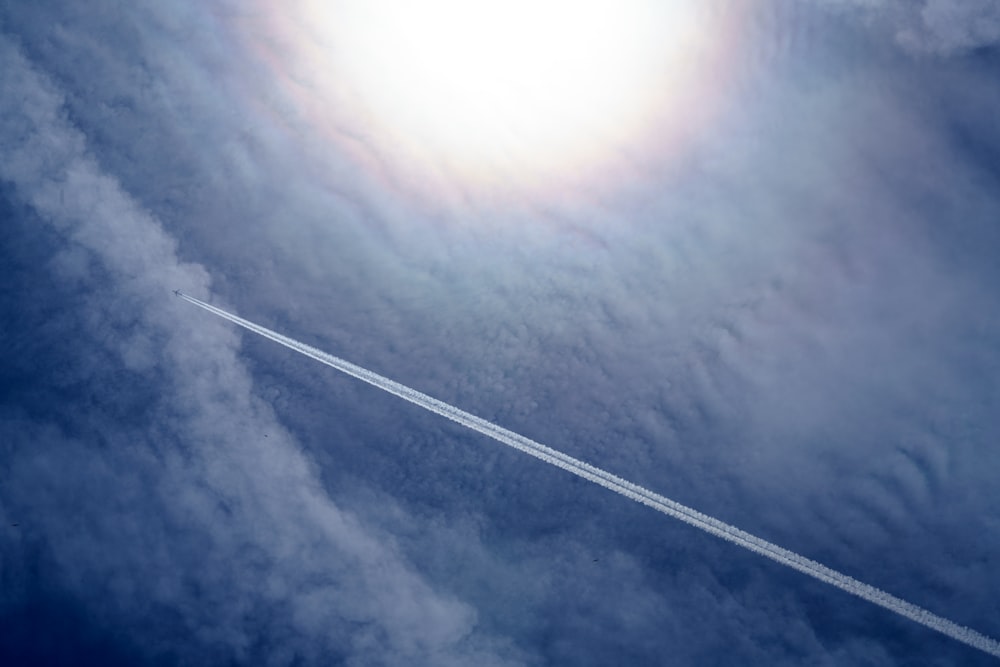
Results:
<point x="934" y="27"/>
<point x="213" y="518"/>
<point x="787" y="317"/>
<point x="629" y="490"/>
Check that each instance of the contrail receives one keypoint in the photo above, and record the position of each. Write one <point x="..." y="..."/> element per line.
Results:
<point x="629" y="490"/>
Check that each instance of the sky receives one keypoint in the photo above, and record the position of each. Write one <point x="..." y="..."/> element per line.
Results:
<point x="742" y="254"/>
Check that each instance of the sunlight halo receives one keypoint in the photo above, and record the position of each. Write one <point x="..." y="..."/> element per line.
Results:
<point x="518" y="86"/>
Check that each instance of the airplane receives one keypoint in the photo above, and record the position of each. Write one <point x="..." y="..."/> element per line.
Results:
<point x="177" y="292"/>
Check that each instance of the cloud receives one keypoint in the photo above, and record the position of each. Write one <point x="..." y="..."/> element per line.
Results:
<point x="184" y="523"/>
<point x="949" y="27"/>
<point x="624" y="488"/>
<point x="793" y="314"/>
<point x="933" y="27"/>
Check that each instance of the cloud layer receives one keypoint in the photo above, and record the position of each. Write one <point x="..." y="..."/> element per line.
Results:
<point x="234" y="539"/>
<point x="782" y="314"/>
<point x="933" y="27"/>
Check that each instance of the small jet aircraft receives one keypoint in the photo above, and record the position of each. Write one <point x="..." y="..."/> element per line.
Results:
<point x="177" y="292"/>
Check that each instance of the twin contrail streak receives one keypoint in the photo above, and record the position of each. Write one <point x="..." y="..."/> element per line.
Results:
<point x="630" y="490"/>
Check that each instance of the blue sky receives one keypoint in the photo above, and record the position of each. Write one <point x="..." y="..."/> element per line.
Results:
<point x="773" y="298"/>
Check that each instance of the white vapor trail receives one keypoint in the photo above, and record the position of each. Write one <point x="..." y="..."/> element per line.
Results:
<point x="633" y="491"/>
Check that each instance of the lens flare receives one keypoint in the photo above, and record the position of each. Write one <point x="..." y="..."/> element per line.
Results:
<point x="525" y="87"/>
<point x="475" y="81"/>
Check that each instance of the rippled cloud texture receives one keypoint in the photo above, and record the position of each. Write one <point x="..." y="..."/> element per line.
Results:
<point x="778" y="304"/>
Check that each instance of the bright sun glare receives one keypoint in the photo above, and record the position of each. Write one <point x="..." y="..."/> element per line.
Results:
<point x="523" y="84"/>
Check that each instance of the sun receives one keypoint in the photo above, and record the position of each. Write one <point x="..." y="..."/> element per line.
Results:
<point x="520" y="85"/>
